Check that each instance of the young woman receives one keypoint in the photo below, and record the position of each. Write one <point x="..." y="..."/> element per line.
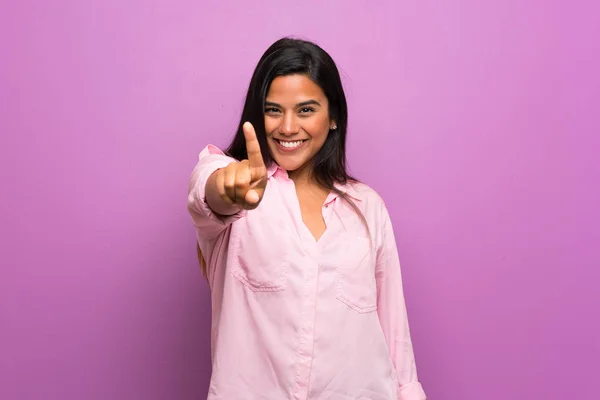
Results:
<point x="301" y="259"/>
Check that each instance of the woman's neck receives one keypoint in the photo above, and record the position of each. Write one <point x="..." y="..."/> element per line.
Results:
<point x="303" y="176"/>
<point x="308" y="189"/>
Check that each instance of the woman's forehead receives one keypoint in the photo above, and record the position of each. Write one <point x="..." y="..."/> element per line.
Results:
<point x="294" y="89"/>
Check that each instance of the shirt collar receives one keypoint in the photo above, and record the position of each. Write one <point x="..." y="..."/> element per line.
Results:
<point x="272" y="169"/>
<point x="347" y="188"/>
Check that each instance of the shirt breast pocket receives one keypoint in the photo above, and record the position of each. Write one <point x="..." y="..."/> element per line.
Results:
<point x="260" y="254"/>
<point x="355" y="275"/>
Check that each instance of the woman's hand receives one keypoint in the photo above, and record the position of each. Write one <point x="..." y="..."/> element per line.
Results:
<point x="240" y="184"/>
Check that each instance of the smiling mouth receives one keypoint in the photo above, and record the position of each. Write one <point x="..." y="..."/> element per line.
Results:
<point x="290" y="145"/>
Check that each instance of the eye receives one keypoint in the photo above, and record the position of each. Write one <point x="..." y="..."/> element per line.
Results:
<point x="306" y="110"/>
<point x="271" y="110"/>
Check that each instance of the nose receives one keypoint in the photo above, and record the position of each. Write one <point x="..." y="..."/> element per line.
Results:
<point x="289" y="125"/>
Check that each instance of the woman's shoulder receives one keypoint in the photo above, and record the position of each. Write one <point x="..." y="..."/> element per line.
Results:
<point x="370" y="203"/>
<point x="365" y="193"/>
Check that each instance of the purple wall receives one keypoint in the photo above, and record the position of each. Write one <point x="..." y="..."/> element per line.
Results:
<point x="477" y="121"/>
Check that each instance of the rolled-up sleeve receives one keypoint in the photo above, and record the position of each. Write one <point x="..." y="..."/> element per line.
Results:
<point x="208" y="224"/>
<point x="392" y="313"/>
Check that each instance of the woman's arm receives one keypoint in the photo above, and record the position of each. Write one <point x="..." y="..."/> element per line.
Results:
<point x="220" y="187"/>
<point x="209" y="212"/>
<point x="391" y="309"/>
<point x="220" y="191"/>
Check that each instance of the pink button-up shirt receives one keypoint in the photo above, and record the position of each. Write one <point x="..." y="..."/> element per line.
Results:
<point x="296" y="318"/>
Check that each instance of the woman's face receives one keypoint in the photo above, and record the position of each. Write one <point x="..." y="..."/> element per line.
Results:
<point x="296" y="120"/>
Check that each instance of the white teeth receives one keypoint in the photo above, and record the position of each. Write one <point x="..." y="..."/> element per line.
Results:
<point x="291" y="145"/>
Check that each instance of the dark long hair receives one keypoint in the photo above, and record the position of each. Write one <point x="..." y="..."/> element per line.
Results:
<point x="290" y="56"/>
<point x="293" y="56"/>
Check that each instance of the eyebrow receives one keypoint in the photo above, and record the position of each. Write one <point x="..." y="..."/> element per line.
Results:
<point x="304" y="103"/>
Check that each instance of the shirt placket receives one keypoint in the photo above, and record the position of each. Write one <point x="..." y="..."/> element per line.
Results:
<point x="308" y="313"/>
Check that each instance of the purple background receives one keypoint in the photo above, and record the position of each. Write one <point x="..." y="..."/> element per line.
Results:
<point x="477" y="121"/>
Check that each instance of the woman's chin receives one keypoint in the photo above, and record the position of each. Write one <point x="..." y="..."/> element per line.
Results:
<point x="288" y="166"/>
<point x="288" y="163"/>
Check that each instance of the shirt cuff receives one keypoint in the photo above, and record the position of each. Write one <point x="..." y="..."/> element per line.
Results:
<point x="411" y="391"/>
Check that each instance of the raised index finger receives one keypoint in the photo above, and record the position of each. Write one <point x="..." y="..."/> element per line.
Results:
<point x="252" y="147"/>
